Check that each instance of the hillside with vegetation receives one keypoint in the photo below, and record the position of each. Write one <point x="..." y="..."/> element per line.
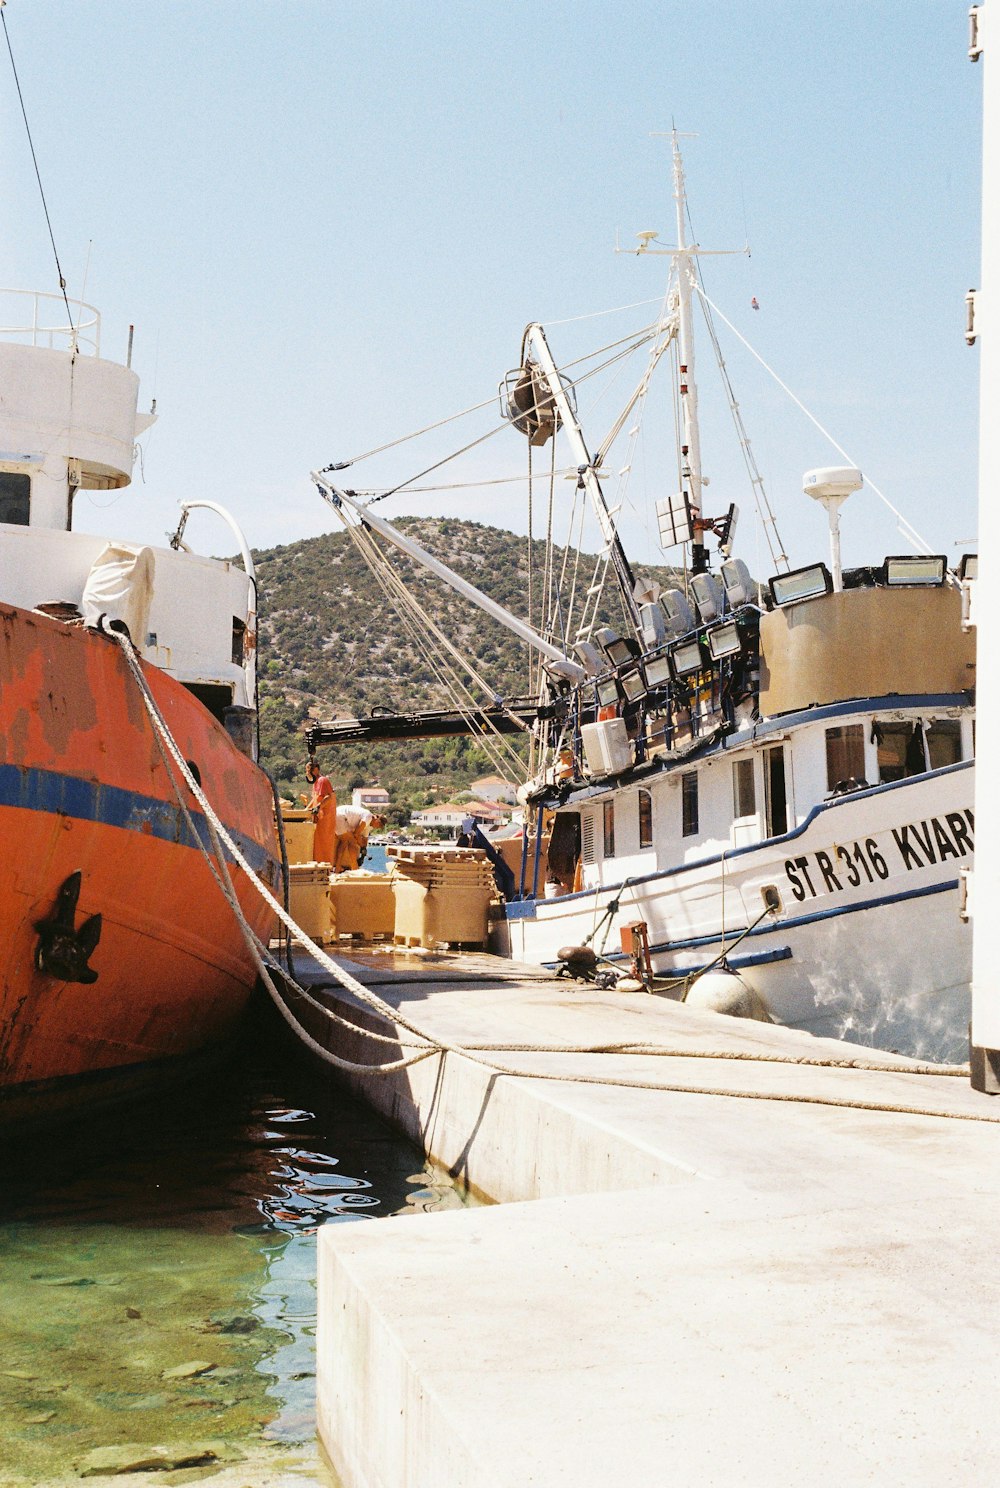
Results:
<point x="333" y="646"/>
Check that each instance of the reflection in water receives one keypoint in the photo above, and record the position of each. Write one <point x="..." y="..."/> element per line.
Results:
<point x="158" y="1263"/>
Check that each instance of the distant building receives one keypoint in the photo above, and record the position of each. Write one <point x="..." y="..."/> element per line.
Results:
<point x="449" y="816"/>
<point x="371" y="797"/>
<point x="444" y="818"/>
<point x="494" y="788"/>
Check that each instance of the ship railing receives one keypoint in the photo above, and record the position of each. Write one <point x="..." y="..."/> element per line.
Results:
<point x="36" y="317"/>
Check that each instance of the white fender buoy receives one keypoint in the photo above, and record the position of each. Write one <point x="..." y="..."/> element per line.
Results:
<point x="722" y="991"/>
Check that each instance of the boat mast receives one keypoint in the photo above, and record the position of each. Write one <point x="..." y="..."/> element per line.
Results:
<point x="683" y="257"/>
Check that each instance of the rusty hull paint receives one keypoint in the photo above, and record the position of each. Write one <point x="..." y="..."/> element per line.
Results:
<point x="173" y="970"/>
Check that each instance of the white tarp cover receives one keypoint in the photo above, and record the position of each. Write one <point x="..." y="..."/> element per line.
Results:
<point x="120" y="586"/>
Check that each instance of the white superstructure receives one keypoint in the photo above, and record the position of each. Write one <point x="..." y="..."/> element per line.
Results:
<point x="69" y="422"/>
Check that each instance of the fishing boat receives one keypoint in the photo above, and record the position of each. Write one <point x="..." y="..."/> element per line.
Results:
<point x="122" y="956"/>
<point x="744" y="793"/>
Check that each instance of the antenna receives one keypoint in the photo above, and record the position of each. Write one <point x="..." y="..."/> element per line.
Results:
<point x="832" y="485"/>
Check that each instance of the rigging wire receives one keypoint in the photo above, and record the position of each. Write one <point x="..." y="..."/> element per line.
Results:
<point x="631" y="343"/>
<point x="38" y="176"/>
<point x="422" y="629"/>
<point x="907" y="529"/>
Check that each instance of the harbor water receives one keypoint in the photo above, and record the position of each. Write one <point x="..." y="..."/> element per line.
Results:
<point x="159" y="1273"/>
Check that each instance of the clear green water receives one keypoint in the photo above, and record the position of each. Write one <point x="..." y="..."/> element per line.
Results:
<point x="158" y="1271"/>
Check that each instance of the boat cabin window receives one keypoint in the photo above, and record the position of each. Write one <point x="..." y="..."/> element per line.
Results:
<point x="845" y="754"/>
<point x="609" y="829"/>
<point x="744" y="795"/>
<point x="645" y="819"/>
<point x="239" y="640"/>
<point x="689" y="803"/>
<point x="15" y="498"/>
<point x="911" y="748"/>
<point x="944" y="742"/>
<point x="775" y="792"/>
<point x="900" y="750"/>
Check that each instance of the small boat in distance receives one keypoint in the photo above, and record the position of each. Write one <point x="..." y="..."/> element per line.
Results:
<point x="769" y="782"/>
<point x="121" y="954"/>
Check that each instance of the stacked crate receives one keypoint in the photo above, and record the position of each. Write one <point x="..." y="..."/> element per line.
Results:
<point x="309" y="901"/>
<point x="442" y="896"/>
<point x="363" y="904"/>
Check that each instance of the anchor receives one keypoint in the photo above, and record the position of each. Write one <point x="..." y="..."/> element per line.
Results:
<point x="62" y="950"/>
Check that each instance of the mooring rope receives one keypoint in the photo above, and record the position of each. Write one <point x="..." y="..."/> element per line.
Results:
<point x="428" y="1046"/>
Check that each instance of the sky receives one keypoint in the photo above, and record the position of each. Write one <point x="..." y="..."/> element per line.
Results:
<point x="330" y="222"/>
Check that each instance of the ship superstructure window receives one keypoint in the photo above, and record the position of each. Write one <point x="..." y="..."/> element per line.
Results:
<point x="845" y="754"/>
<point x="944" y="742"/>
<point x="900" y="750"/>
<point x="15" y="498"/>
<point x="744" y="795"/>
<point x="645" y="819"/>
<point x="609" y="829"/>
<point x="775" y="791"/>
<point x="689" y="803"/>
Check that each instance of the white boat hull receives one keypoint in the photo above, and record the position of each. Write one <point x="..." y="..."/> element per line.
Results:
<point x="868" y="944"/>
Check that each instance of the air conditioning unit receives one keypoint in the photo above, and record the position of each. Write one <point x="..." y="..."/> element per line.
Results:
<point x="606" y="747"/>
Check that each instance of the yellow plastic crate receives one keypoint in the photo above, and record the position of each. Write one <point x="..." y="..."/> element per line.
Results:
<point x="447" y="915"/>
<point x="308" y="899"/>
<point x="363" y="904"/>
<point x="299" y="832"/>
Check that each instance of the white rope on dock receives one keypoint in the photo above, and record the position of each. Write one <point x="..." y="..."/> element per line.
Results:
<point x="428" y="1046"/>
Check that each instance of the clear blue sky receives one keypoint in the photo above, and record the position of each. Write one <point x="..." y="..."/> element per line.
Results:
<point x="330" y="222"/>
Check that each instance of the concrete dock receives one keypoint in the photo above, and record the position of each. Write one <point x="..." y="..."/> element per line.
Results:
<point x="747" y="1258"/>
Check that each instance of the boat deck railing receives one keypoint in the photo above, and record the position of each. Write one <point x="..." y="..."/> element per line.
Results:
<point x="37" y="317"/>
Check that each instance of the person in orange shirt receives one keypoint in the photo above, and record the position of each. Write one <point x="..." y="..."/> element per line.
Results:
<point x="323" y="809"/>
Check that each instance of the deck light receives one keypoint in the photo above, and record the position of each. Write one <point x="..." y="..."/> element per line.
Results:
<point x="724" y="640"/>
<point x="924" y="571"/>
<point x="739" y="586"/>
<point x="801" y="583"/>
<point x="657" y="671"/>
<point x="607" y="692"/>
<point x="618" y="650"/>
<point x="708" y="596"/>
<point x="969" y="566"/>
<point x="677" y="611"/>
<point x="632" y="684"/>
<point x="588" y="657"/>
<point x="687" y="657"/>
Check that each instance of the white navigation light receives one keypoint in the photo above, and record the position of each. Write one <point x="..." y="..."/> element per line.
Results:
<point x="678" y="612"/>
<point x="724" y="640"/>
<point x="687" y="658"/>
<point x="801" y="583"/>
<point x="739" y="586"/>
<point x="707" y="592"/>
<point x="922" y="571"/>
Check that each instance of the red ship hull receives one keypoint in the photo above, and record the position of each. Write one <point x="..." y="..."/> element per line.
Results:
<point x="83" y="789"/>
